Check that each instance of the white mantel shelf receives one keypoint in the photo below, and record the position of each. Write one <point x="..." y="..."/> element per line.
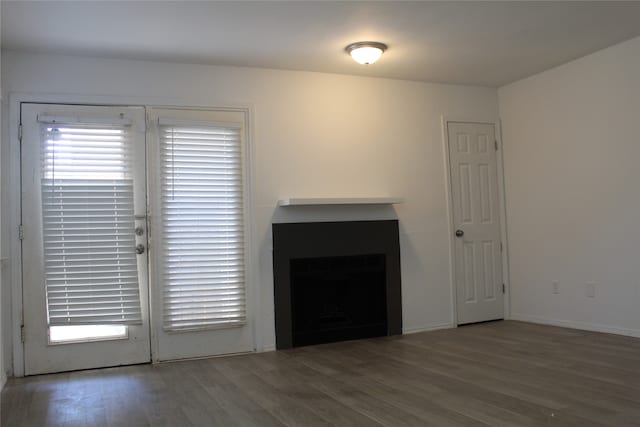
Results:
<point x="314" y="201"/>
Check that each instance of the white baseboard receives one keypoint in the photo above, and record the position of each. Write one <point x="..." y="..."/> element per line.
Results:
<point x="585" y="326"/>
<point x="267" y="348"/>
<point x="415" y="330"/>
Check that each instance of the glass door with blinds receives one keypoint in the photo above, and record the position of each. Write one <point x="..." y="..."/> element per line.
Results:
<point x="197" y="228"/>
<point x="85" y="292"/>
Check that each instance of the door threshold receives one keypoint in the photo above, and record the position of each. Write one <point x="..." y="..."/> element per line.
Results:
<point x="213" y="356"/>
<point x="480" y="322"/>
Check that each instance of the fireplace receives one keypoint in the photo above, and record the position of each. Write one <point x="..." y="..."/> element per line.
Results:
<point x="336" y="281"/>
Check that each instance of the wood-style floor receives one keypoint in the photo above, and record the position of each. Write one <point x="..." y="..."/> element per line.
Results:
<point x="498" y="374"/>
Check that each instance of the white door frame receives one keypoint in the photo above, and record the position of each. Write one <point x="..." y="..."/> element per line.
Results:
<point x="12" y="206"/>
<point x="445" y="120"/>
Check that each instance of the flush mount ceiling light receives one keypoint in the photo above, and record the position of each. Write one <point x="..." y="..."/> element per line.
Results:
<point x="366" y="53"/>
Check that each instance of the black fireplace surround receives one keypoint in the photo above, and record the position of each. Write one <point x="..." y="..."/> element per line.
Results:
<point x="336" y="281"/>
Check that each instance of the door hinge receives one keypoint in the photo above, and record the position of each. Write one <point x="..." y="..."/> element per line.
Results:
<point x="22" y="333"/>
<point x="504" y="289"/>
<point x="20" y="132"/>
<point x="20" y="232"/>
<point x="496" y="144"/>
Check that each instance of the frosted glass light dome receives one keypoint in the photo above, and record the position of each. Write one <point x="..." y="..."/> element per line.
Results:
<point x="366" y="53"/>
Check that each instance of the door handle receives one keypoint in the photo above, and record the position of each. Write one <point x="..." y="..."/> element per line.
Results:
<point x="459" y="233"/>
<point x="140" y="249"/>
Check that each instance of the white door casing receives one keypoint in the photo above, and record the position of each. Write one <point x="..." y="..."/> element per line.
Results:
<point x="476" y="222"/>
<point x="40" y="356"/>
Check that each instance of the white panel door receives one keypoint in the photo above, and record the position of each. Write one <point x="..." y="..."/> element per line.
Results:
<point x="85" y="290"/>
<point x="474" y="188"/>
<point x="198" y="243"/>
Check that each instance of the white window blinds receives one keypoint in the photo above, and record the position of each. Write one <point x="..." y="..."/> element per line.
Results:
<point x="88" y="225"/>
<point x="202" y="226"/>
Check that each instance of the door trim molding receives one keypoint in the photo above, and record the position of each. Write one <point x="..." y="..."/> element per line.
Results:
<point x="445" y="120"/>
<point x="12" y="206"/>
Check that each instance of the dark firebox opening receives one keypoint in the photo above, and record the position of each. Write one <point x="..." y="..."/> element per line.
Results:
<point x="338" y="298"/>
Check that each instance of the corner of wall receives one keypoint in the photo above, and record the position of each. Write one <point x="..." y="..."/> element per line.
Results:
<point x="570" y="166"/>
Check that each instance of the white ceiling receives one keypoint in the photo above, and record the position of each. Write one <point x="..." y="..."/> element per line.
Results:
<point x="482" y="43"/>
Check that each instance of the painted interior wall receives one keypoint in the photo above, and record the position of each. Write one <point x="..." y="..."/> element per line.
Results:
<point x="571" y="152"/>
<point x="313" y="135"/>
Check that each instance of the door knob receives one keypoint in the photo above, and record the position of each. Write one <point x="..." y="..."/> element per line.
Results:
<point x="459" y="233"/>
<point x="140" y="248"/>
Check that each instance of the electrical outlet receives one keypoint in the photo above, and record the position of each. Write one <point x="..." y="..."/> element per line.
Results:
<point x="555" y="287"/>
<point x="590" y="290"/>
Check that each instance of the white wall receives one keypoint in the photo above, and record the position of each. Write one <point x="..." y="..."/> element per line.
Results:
<point x="314" y="135"/>
<point x="571" y="153"/>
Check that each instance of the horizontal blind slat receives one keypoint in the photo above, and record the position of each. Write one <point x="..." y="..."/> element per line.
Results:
<point x="87" y="205"/>
<point x="203" y="226"/>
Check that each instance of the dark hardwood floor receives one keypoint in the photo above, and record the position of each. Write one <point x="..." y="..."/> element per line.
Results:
<point x="498" y="374"/>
